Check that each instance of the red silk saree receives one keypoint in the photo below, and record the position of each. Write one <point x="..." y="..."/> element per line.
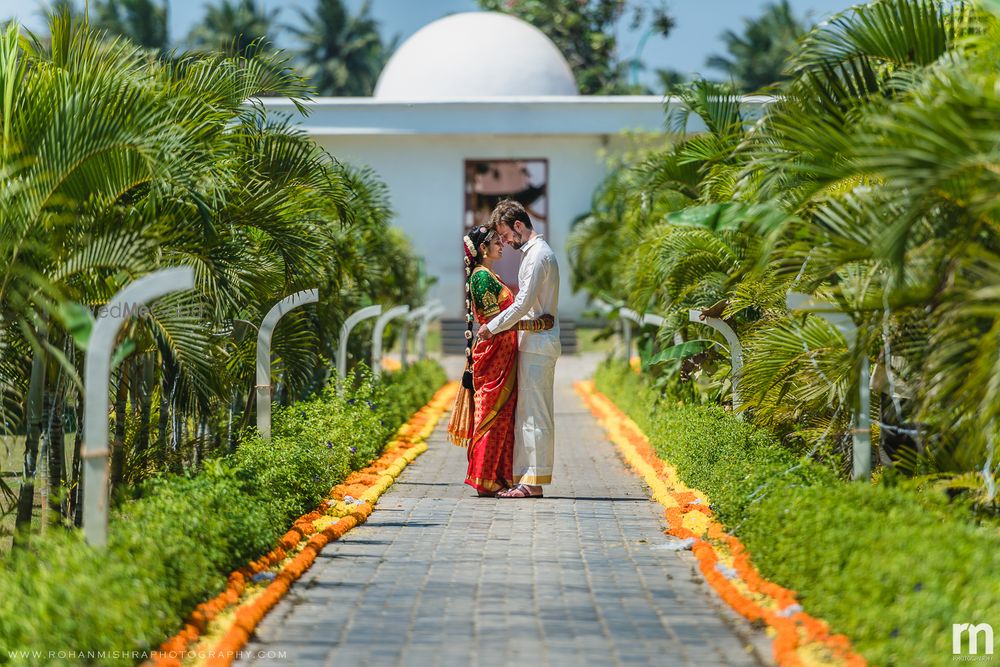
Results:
<point x="494" y="376"/>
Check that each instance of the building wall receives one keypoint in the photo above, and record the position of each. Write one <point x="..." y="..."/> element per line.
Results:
<point x="425" y="176"/>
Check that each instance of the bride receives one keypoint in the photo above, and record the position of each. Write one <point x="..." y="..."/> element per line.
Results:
<point x="483" y="419"/>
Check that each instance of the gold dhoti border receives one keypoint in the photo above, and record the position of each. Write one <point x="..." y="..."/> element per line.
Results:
<point x="533" y="480"/>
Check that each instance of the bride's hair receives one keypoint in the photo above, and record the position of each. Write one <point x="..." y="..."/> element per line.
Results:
<point x="473" y="242"/>
<point x="477" y="237"/>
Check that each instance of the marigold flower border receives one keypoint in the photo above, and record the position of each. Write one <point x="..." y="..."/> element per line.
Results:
<point x="366" y="485"/>
<point x="749" y="594"/>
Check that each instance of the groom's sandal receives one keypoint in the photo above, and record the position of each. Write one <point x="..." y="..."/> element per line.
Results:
<point x="519" y="491"/>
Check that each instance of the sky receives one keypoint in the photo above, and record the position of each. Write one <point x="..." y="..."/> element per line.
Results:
<point x="696" y="36"/>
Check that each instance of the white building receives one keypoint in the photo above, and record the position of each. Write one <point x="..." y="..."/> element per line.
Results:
<point x="471" y="107"/>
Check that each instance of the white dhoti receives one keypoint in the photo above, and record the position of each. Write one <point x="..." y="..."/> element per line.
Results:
<point x="534" y="419"/>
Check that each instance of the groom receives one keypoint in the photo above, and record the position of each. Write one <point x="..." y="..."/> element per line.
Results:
<point x="538" y="294"/>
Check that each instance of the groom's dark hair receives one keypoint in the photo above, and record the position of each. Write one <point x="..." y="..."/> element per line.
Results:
<point x="507" y="212"/>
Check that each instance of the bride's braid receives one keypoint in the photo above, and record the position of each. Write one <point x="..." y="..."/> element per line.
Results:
<point x="473" y="257"/>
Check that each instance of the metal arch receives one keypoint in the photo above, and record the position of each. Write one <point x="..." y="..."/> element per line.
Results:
<point x="603" y="306"/>
<point x="735" y="350"/>
<point x="345" y="332"/>
<point x="432" y="314"/>
<point x="653" y="320"/>
<point x="404" y="338"/>
<point x="842" y="322"/>
<point x="657" y="321"/>
<point x="649" y="319"/>
<point x="377" y="335"/>
<point x="628" y="316"/>
<point x="861" y="433"/>
<point x="264" y="335"/>
<point x="97" y="378"/>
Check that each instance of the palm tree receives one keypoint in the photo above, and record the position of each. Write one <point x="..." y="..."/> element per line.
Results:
<point x="342" y="54"/>
<point x="845" y="244"/>
<point x="869" y="183"/>
<point x="142" y="21"/>
<point x="756" y="58"/>
<point x="237" y="27"/>
<point x="59" y="7"/>
<point x="117" y="165"/>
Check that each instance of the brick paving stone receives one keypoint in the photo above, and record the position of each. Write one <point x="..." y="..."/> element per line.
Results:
<point x="440" y="577"/>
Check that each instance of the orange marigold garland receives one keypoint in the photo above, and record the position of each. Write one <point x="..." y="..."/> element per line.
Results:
<point x="799" y="639"/>
<point x="255" y="588"/>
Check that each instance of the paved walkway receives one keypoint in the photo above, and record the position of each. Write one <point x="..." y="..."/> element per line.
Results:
<point x="438" y="576"/>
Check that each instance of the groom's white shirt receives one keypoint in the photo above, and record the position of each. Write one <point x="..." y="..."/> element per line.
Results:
<point x="538" y="294"/>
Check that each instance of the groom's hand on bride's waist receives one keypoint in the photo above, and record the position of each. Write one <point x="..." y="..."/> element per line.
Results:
<point x="484" y="333"/>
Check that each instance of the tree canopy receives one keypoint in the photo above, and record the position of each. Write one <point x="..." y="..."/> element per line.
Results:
<point x="756" y="58"/>
<point x="239" y="27"/>
<point x="341" y="53"/>
<point x="117" y="165"/>
<point x="585" y="34"/>
<point x="868" y="183"/>
<point x="142" y="21"/>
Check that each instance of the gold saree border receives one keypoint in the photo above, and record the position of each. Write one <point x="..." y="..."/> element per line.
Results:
<point x="488" y="484"/>
<point x="505" y="393"/>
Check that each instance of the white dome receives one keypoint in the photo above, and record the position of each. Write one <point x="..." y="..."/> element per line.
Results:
<point x="475" y="54"/>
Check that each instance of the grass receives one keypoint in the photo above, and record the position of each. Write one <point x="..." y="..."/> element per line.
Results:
<point x="11" y="453"/>
<point x="11" y="469"/>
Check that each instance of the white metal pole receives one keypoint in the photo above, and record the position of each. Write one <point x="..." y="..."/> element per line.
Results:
<point x="861" y="433"/>
<point x="437" y="311"/>
<point x="378" y="334"/>
<point x="656" y="321"/>
<point x="735" y="351"/>
<point x="627" y="317"/>
<point x="264" y="334"/>
<point x="345" y="332"/>
<point x="653" y="320"/>
<point x="97" y="377"/>
<point x="414" y="315"/>
<point x="603" y="306"/>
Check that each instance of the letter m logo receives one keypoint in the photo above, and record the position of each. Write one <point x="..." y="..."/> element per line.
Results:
<point x="973" y="632"/>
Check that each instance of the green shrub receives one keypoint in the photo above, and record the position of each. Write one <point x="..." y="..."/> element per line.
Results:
<point x="731" y="461"/>
<point x="409" y="387"/>
<point x="629" y="392"/>
<point x="173" y="547"/>
<point x="66" y="596"/>
<point x="890" y="567"/>
<point x="166" y="553"/>
<point x="879" y="566"/>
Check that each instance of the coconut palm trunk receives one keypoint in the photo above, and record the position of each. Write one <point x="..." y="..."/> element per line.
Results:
<point x="145" y="399"/>
<point x="35" y="413"/>
<point x="75" y="509"/>
<point x="56" y="438"/>
<point x="118" y="443"/>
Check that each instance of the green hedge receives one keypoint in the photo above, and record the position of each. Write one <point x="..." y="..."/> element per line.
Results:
<point x="173" y="547"/>
<point x="890" y="567"/>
